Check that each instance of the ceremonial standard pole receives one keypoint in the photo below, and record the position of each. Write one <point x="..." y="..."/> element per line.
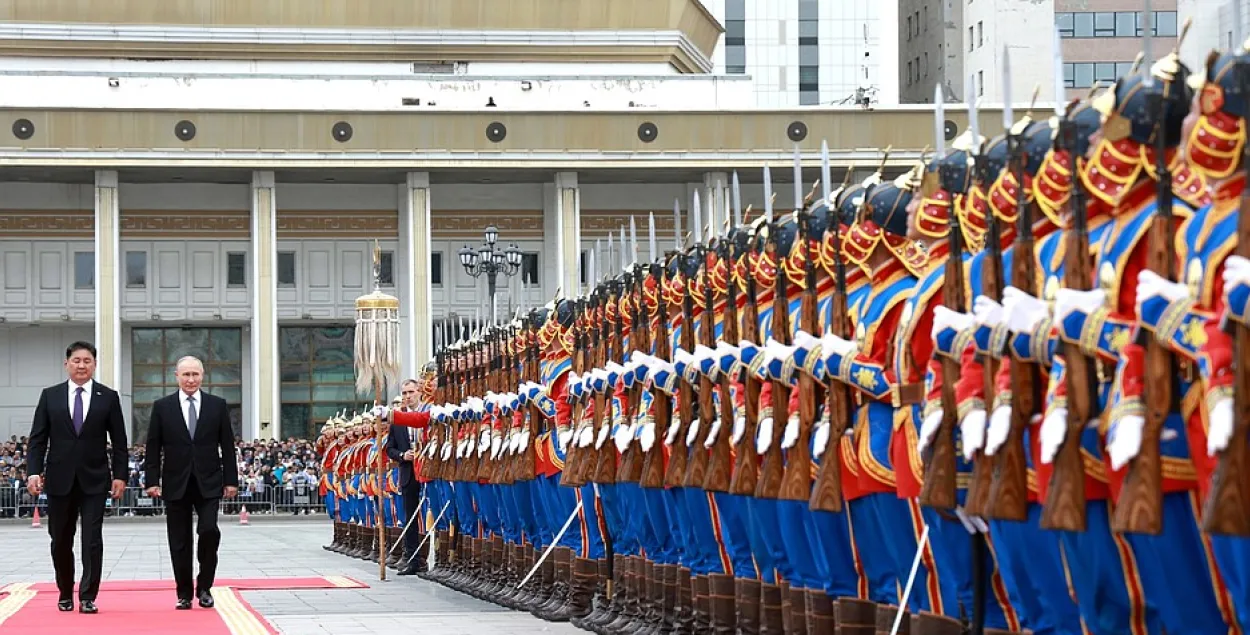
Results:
<point x="377" y="366"/>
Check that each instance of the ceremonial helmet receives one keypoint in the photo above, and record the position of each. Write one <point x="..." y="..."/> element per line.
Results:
<point x="944" y="185"/>
<point x="1215" y="144"/>
<point x="883" y="220"/>
<point x="1052" y="182"/>
<point x="1131" y="129"/>
<point x="850" y="202"/>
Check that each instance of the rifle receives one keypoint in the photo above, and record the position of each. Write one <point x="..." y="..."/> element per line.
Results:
<point x="940" y="477"/>
<point x="575" y="454"/>
<point x="746" y="469"/>
<point x="631" y="461"/>
<point x="1227" y="508"/>
<point x="489" y="468"/>
<point x="527" y="466"/>
<point x="771" y="473"/>
<point x="827" y="490"/>
<point x="978" y="497"/>
<point x="653" y="464"/>
<point x="1140" y="506"/>
<point x="796" y="481"/>
<point x="1065" y="495"/>
<point x="697" y="473"/>
<point x="1009" y="492"/>
<point x="605" y="469"/>
<point x="679" y="457"/>
<point x="720" y="468"/>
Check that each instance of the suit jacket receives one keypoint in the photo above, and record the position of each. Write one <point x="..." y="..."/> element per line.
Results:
<point x="397" y="443"/>
<point x="210" y="456"/>
<point x="63" y="456"/>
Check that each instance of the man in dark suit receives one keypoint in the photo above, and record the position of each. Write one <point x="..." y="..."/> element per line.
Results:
<point x="401" y="446"/>
<point x="68" y="450"/>
<point x="191" y="429"/>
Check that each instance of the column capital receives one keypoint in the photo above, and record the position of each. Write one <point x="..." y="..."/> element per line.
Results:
<point x="418" y="180"/>
<point x="106" y="178"/>
<point x="566" y="180"/>
<point x="262" y="178"/>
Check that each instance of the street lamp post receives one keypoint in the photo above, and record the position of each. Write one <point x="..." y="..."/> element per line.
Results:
<point x="491" y="261"/>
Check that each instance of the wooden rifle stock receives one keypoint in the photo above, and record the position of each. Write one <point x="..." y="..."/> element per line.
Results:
<point x="630" y="470"/>
<point x="977" y="501"/>
<point x="771" y="473"/>
<point x="707" y="327"/>
<point x="679" y="457"/>
<point x="575" y="456"/>
<point x="746" y="469"/>
<point x="1227" y="508"/>
<point x="605" y="469"/>
<point x="662" y="405"/>
<point x="827" y="491"/>
<point x="1064" y="508"/>
<point x="796" y="481"/>
<point x="720" y="467"/>
<point x="1009" y="493"/>
<point x="941" y="473"/>
<point x="1140" y="506"/>
<point x="528" y="468"/>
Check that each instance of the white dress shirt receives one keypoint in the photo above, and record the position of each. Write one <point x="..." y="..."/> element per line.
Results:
<point x="185" y="399"/>
<point x="86" y="398"/>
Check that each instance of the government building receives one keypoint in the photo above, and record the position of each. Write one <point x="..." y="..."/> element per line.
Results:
<point x="211" y="178"/>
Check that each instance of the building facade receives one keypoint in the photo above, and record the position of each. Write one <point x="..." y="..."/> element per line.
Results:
<point x="212" y="178"/>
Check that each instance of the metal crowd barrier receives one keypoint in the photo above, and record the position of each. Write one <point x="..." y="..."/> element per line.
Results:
<point x="301" y="499"/>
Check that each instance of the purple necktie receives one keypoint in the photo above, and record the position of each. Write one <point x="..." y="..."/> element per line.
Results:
<point x="78" y="411"/>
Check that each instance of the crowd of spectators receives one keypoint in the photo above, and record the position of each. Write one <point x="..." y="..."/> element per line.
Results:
<point x="277" y="476"/>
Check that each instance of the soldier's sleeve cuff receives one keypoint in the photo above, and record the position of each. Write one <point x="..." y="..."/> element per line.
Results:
<point x="1002" y="398"/>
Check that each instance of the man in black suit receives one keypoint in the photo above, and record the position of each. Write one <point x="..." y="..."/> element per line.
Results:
<point x="69" y="451"/>
<point x="192" y="430"/>
<point x="401" y="446"/>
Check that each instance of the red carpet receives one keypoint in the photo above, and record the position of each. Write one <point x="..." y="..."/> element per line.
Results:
<point x="145" y="607"/>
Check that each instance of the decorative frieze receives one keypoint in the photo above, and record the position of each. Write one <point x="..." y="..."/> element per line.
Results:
<point x="469" y="224"/>
<point x="379" y="224"/>
<point x="39" y="224"/>
<point x="198" y="224"/>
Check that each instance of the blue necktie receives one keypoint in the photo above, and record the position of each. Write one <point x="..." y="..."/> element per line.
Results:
<point x="192" y="419"/>
<point x="78" y="411"/>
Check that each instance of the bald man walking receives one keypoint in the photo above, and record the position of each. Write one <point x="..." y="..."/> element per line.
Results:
<point x="190" y="435"/>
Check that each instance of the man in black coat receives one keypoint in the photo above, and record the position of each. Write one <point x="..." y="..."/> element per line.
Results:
<point x="401" y="446"/>
<point x="191" y="429"/>
<point x="69" y="461"/>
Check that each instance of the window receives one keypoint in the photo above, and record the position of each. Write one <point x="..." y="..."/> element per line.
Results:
<point x="1083" y="25"/>
<point x="1069" y="78"/>
<point x="926" y="64"/>
<point x="436" y="269"/>
<point x="1105" y="72"/>
<point x="1063" y="21"/>
<point x="236" y="269"/>
<point x="917" y="23"/>
<point x="136" y="269"/>
<point x="926" y="18"/>
<point x="386" y="269"/>
<point x="1165" y="24"/>
<point x="317" y="377"/>
<point x="84" y="270"/>
<point x="582" y="266"/>
<point x="735" y="37"/>
<point x="911" y="76"/>
<point x="909" y="28"/>
<point x="809" y="51"/>
<point x="1104" y="24"/>
<point x="154" y="351"/>
<point x="980" y="34"/>
<point x="971" y="41"/>
<point x="980" y="83"/>
<point x="529" y="269"/>
<point x="1126" y="24"/>
<point x="286" y="268"/>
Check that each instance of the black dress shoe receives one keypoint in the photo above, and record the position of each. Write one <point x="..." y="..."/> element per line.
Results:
<point x="206" y="600"/>
<point x="65" y="605"/>
<point x="184" y="604"/>
<point x="87" y="606"/>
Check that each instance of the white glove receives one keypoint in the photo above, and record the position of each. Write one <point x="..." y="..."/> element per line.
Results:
<point x="1022" y="311"/>
<point x="496" y="444"/>
<point x="1000" y="425"/>
<point x="693" y="433"/>
<point x="381" y="413"/>
<point x="673" y="428"/>
<point x="1068" y="301"/>
<point x="564" y="438"/>
<point x="447" y="450"/>
<point x="1150" y="284"/>
<point x="1124" y="440"/>
<point x="1236" y="271"/>
<point x="1054" y="429"/>
<point x="485" y="439"/>
<point x="1220" y="428"/>
<point x="622" y="438"/>
<point x="523" y="441"/>
<point x="820" y="438"/>
<point x="647" y="436"/>
<point x="791" y="434"/>
<point x="944" y="318"/>
<point x="712" y="432"/>
<point x="928" y="430"/>
<point x="838" y="345"/>
<point x="740" y="428"/>
<point x="987" y="311"/>
<point x="460" y="448"/>
<point x="764" y="435"/>
<point x="585" y="436"/>
<point x="972" y="431"/>
<point x="602" y="436"/>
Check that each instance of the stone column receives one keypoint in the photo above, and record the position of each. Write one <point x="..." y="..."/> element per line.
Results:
<point x="416" y="293"/>
<point x="108" y="324"/>
<point x="266" y="402"/>
<point x="568" y="232"/>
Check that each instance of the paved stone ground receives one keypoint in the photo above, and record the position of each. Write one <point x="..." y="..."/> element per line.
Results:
<point x="277" y="548"/>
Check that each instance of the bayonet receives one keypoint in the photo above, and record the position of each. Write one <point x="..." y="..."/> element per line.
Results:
<point x="939" y="121"/>
<point x="798" y="178"/>
<point x="825" y="178"/>
<point x="768" y="196"/>
<point x="1009" y="118"/>
<point x="737" y="200"/>
<point x="633" y="241"/>
<point x="697" y="222"/>
<point x="651" y="237"/>
<point x="677" y="225"/>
